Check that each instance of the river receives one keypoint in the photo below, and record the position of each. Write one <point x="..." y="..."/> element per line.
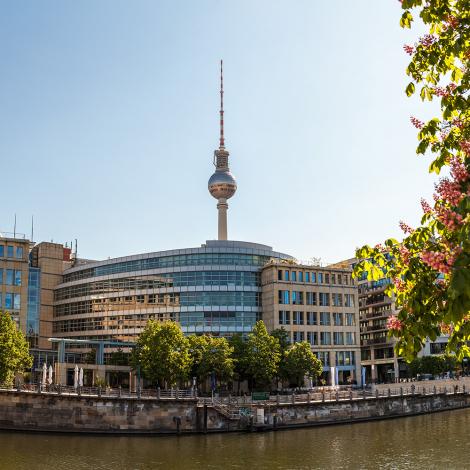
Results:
<point x="436" y="441"/>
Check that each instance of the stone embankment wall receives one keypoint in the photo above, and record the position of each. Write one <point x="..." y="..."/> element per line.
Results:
<point x="427" y="385"/>
<point x="68" y="413"/>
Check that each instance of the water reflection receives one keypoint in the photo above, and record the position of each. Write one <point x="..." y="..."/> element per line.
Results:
<point x="425" y="442"/>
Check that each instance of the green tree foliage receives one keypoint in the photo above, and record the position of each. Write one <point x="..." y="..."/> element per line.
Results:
<point x="211" y="355"/>
<point x="14" y="350"/>
<point x="262" y="355"/>
<point x="162" y="353"/>
<point x="430" y="268"/>
<point x="299" y="361"/>
<point x="283" y="337"/>
<point x="434" y="365"/>
<point x="239" y="358"/>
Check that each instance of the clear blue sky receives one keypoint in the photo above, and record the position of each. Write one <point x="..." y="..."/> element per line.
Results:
<point x="109" y="119"/>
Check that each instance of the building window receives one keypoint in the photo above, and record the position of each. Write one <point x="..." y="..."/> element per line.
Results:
<point x="8" y="300"/>
<point x="327" y="278"/>
<point x="325" y="338"/>
<point x="307" y="277"/>
<point x="279" y="274"/>
<point x="350" y="319"/>
<point x="2" y="251"/>
<point x="16" y="301"/>
<point x="338" y="319"/>
<point x="339" y="279"/>
<point x="324" y="298"/>
<point x="297" y="298"/>
<point x="298" y="336"/>
<point x="311" y="298"/>
<point x="19" y="252"/>
<point x="298" y="318"/>
<point x="325" y="319"/>
<point x="312" y="337"/>
<point x="345" y="358"/>
<point x="333" y="278"/>
<point x="349" y="300"/>
<point x="320" y="278"/>
<point x="17" y="278"/>
<point x="337" y="300"/>
<point x="301" y="276"/>
<point x="1" y="277"/>
<point x="286" y="275"/>
<point x="294" y="276"/>
<point x="9" y="251"/>
<point x="311" y="318"/>
<point x="314" y="277"/>
<point x="350" y="338"/>
<point x="324" y="357"/>
<point x="338" y="337"/>
<point x="284" y="317"/>
<point x="10" y="274"/>
<point x="284" y="297"/>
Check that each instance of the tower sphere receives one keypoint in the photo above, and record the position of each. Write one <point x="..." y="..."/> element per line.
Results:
<point x="222" y="185"/>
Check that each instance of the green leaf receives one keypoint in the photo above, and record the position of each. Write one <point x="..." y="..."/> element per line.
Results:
<point x="410" y="89"/>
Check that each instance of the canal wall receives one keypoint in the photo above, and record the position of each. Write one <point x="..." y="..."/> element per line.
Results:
<point x="32" y="411"/>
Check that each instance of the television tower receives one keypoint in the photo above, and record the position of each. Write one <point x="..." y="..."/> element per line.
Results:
<point x="222" y="184"/>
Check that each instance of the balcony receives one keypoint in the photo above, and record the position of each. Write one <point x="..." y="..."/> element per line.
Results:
<point x="373" y="341"/>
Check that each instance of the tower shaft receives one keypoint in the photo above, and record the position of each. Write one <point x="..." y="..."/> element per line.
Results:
<point x="222" y="208"/>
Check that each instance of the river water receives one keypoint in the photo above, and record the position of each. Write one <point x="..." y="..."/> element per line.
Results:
<point x="436" y="441"/>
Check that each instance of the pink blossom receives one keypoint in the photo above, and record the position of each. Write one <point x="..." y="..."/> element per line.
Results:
<point x="458" y="170"/>
<point x="465" y="146"/>
<point x="449" y="191"/>
<point x="416" y="122"/>
<point x="427" y="40"/>
<point x="425" y="206"/>
<point x="393" y="323"/>
<point x="399" y="284"/>
<point x="405" y="254"/>
<point x="406" y="228"/>
<point x="441" y="261"/>
<point x="408" y="49"/>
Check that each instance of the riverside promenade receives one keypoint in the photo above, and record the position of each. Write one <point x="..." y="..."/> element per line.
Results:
<point x="92" y="410"/>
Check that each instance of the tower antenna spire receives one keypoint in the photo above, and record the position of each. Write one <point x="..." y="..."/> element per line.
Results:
<point x="222" y="139"/>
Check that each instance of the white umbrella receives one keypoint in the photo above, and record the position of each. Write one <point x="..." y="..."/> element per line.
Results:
<point x="80" y="380"/>
<point x="44" y="373"/>
<point x="75" y="377"/>
<point x="49" y="379"/>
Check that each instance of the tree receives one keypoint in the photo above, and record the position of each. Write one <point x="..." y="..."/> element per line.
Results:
<point x="283" y="337"/>
<point x="14" y="350"/>
<point x="262" y="355"/>
<point x="162" y="353"/>
<point x="239" y="358"/>
<point x="299" y="362"/>
<point x="430" y="268"/>
<point x="211" y="355"/>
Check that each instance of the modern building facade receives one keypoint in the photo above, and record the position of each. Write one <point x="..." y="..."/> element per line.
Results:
<point x="317" y="305"/>
<point x="213" y="289"/>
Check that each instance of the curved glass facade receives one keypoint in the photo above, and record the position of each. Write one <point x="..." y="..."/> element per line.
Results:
<point x="213" y="289"/>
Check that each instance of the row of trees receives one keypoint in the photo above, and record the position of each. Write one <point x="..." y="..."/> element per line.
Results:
<point x="165" y="357"/>
<point x="434" y="365"/>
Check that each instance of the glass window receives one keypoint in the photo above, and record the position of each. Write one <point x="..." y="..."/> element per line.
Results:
<point x="298" y="336"/>
<point x="298" y="318"/>
<point x="8" y="300"/>
<point x="324" y="357"/>
<point x="311" y="298"/>
<point x="286" y="275"/>
<point x="311" y="318"/>
<point x="1" y="277"/>
<point x="19" y="252"/>
<point x="297" y="298"/>
<point x="16" y="301"/>
<point x="17" y="278"/>
<point x="325" y="338"/>
<point x="325" y="319"/>
<point x="307" y="277"/>
<point x="320" y="278"/>
<point x="9" y="251"/>
<point x="324" y="298"/>
<point x="338" y="337"/>
<point x="284" y="317"/>
<point x="350" y="338"/>
<point x="294" y="276"/>
<point x="350" y="319"/>
<point x="338" y="319"/>
<point x="314" y="277"/>
<point x="301" y="276"/>
<point x="279" y="274"/>
<point x="312" y="337"/>
<point x="333" y="279"/>
<point x="349" y="300"/>
<point x="9" y="280"/>
<point x="2" y="251"/>
<point x="327" y="278"/>
<point x="284" y="297"/>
